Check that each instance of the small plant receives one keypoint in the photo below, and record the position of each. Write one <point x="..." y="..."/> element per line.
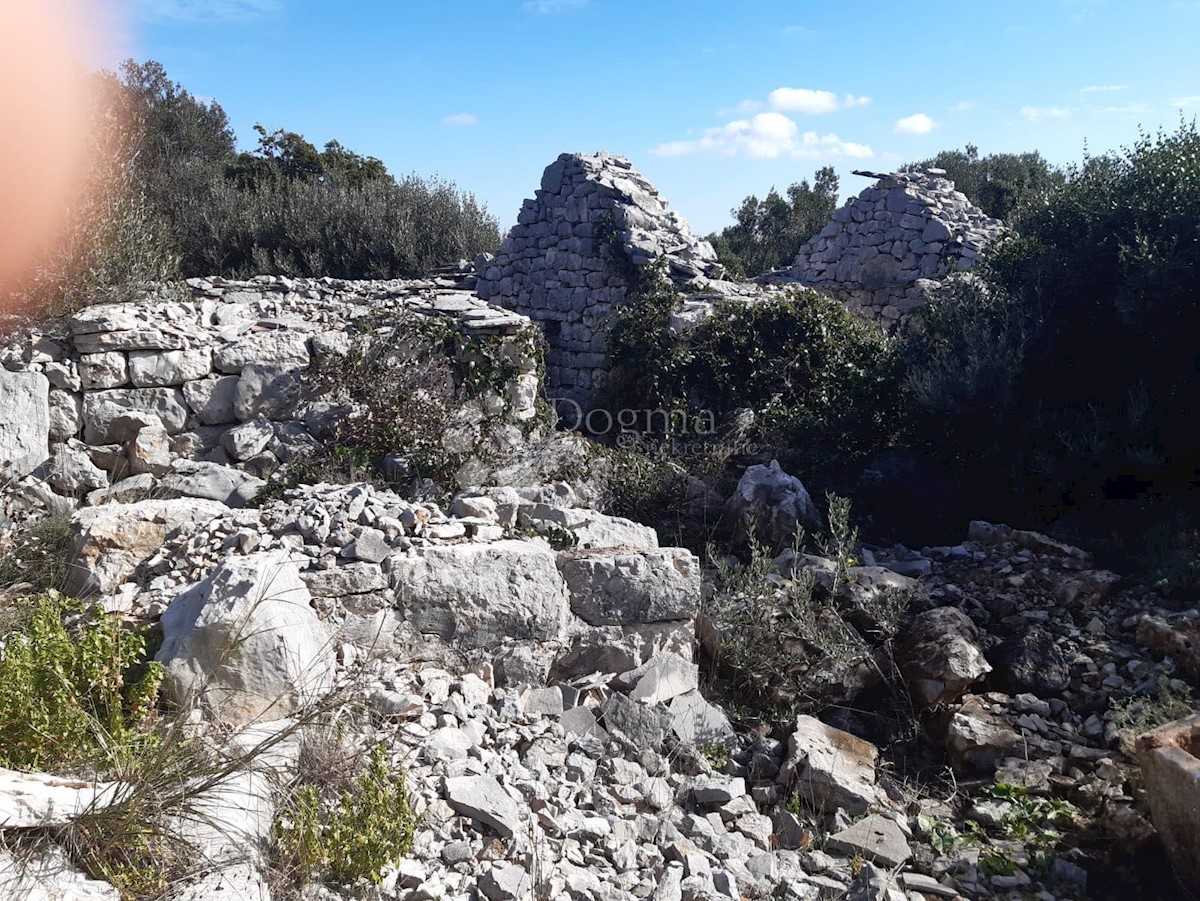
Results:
<point x="67" y="695"/>
<point x="717" y="755"/>
<point x="352" y="839"/>
<point x="1165" y="700"/>
<point x="1033" y="822"/>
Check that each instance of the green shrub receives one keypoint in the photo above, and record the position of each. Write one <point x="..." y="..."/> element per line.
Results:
<point x="823" y="387"/>
<point x="67" y="697"/>
<point x="353" y="838"/>
<point x="789" y="646"/>
<point x="969" y="348"/>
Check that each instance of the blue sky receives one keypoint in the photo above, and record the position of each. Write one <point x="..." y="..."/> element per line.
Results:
<point x="711" y="99"/>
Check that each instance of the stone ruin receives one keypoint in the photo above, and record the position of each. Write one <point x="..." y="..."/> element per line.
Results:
<point x="886" y="248"/>
<point x="596" y="224"/>
<point x="568" y="262"/>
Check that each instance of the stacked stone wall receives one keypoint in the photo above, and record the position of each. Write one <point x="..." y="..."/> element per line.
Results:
<point x="884" y="251"/>
<point x="579" y="244"/>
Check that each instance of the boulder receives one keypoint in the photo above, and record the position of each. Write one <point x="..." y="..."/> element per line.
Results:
<point x="939" y="657"/>
<point x="830" y="769"/>
<point x="478" y="595"/>
<point x="1032" y="662"/>
<point x="1171" y="774"/>
<point x="71" y="471"/>
<point x="977" y="739"/>
<point x="770" y="505"/>
<point x="25" y="425"/>
<point x="211" y="399"/>
<point x="619" y="588"/>
<point x="246" y="642"/>
<point x="875" y="838"/>
<point x="484" y="799"/>
<point x="108" y="542"/>
<point x="267" y="390"/>
<point x="282" y="348"/>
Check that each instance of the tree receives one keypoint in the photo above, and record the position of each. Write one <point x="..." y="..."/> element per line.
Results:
<point x="1000" y="182"/>
<point x="768" y="233"/>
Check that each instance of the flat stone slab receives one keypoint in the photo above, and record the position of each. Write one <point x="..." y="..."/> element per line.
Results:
<point x="32" y="800"/>
<point x="482" y="798"/>
<point x="876" y="838"/>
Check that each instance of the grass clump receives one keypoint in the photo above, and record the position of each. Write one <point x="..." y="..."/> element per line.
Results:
<point x="38" y="555"/>
<point x="347" y="838"/>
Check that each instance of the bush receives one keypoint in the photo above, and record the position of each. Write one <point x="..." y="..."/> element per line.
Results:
<point x="1104" y="402"/>
<point x="822" y="387"/>
<point x="969" y="348"/>
<point x="421" y="394"/>
<point x="350" y="838"/>
<point x="65" y="698"/>
<point x="115" y="245"/>
<point x="791" y="647"/>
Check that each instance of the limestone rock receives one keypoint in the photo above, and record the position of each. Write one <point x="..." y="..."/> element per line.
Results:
<point x="939" y="657"/>
<point x="108" y="542"/>
<point x="25" y="425"/>
<point x="40" y="800"/>
<point x="875" y="838"/>
<point x="622" y="588"/>
<point x="771" y="505"/>
<point x="482" y="798"/>
<point x="830" y="769"/>
<point x="246" y="642"/>
<point x="478" y="595"/>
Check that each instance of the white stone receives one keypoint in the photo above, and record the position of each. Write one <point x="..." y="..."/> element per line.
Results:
<point x="246" y="642"/>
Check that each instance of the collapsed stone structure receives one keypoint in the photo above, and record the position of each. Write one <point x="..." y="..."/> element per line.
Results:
<point x="886" y="248"/>
<point x="170" y="393"/>
<point x="579" y="244"/>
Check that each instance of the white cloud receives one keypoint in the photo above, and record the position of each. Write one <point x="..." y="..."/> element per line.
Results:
<point x="962" y="106"/>
<point x="916" y="124"/>
<point x="550" y="7"/>
<point x="796" y="31"/>
<point x="1103" y="88"/>
<point x="1039" y="113"/>
<point x="815" y="103"/>
<point x="204" y="10"/>
<point x="1185" y="101"/>
<point x="766" y="136"/>
<point x="460" y="119"/>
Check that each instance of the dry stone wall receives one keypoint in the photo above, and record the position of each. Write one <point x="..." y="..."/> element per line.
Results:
<point x="590" y="230"/>
<point x="886" y="248"/>
<point x="200" y="393"/>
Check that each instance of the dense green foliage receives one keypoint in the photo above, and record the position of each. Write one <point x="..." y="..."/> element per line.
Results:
<point x="998" y="183"/>
<point x="288" y="208"/>
<point x="1106" y="274"/>
<point x="69" y="697"/>
<point x="821" y="386"/>
<point x="767" y="233"/>
<point x="352" y="838"/>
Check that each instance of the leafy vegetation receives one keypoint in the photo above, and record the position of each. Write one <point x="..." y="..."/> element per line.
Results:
<point x="65" y="697"/>
<point x="349" y="838"/>
<point x="767" y="233"/>
<point x="38" y="555"/>
<point x="820" y="386"/>
<point x="287" y="208"/>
